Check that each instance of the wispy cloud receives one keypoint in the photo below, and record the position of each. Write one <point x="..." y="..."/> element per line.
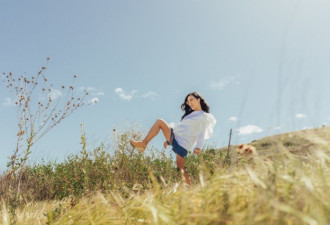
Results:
<point x="249" y="129"/>
<point x="92" y="91"/>
<point x="279" y="127"/>
<point x="8" y="102"/>
<point x="300" y="116"/>
<point x="233" y="119"/>
<point x="94" y="100"/>
<point x="54" y="94"/>
<point x="150" y="95"/>
<point x="125" y="95"/>
<point x="98" y="93"/>
<point x="221" y="84"/>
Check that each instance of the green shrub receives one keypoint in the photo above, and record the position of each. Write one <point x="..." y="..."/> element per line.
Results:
<point x="118" y="168"/>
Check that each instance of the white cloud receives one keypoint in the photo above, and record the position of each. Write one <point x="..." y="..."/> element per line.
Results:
<point x="249" y="129"/>
<point x="233" y="119"/>
<point x="89" y="89"/>
<point x="278" y="128"/>
<point x="92" y="90"/>
<point x="55" y="94"/>
<point x="223" y="83"/>
<point x="8" y="102"/>
<point x="124" y="95"/>
<point x="220" y="84"/>
<point x="94" y="100"/>
<point x="150" y="95"/>
<point x="99" y="93"/>
<point x="300" y="116"/>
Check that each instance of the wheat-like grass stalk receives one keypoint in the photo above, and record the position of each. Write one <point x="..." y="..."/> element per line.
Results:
<point x="285" y="188"/>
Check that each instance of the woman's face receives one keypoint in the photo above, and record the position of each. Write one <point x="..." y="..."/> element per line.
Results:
<point x="194" y="103"/>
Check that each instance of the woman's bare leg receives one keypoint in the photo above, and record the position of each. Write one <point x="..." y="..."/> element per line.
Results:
<point x="154" y="130"/>
<point x="180" y="164"/>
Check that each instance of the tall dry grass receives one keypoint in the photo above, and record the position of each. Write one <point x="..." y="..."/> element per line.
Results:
<point x="285" y="188"/>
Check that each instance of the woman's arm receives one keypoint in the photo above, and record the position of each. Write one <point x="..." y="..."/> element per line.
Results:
<point x="200" y="142"/>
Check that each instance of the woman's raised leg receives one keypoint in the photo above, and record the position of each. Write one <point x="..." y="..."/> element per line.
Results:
<point x="160" y="124"/>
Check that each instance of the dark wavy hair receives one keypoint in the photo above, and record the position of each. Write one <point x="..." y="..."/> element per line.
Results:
<point x="186" y="108"/>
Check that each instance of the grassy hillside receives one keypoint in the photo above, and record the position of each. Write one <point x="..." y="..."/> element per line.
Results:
<point x="287" y="183"/>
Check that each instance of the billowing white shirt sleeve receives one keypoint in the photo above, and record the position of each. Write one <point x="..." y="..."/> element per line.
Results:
<point x="209" y="125"/>
<point x="206" y="130"/>
<point x="200" y="139"/>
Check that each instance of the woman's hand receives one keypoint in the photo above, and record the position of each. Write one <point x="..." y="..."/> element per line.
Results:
<point x="165" y="144"/>
<point x="197" y="151"/>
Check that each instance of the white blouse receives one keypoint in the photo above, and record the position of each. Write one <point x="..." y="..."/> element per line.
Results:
<point x="194" y="129"/>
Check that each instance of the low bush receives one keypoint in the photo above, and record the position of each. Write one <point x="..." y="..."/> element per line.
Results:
<point x="91" y="171"/>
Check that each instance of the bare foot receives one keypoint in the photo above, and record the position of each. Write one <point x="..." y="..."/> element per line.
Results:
<point x="139" y="145"/>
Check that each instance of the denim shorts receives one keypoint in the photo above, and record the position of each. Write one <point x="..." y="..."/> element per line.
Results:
<point x="178" y="149"/>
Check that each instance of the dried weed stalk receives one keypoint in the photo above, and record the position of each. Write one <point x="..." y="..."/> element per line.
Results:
<point x="40" y="107"/>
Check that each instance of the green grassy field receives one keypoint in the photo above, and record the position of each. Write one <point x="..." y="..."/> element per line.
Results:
<point x="288" y="182"/>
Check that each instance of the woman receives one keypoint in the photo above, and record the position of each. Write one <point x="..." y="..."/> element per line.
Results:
<point x="196" y="125"/>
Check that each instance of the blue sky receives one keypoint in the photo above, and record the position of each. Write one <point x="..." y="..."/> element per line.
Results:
<point x="263" y="66"/>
